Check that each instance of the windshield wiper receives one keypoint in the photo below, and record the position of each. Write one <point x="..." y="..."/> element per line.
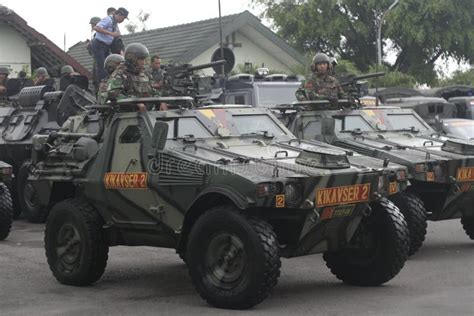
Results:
<point x="355" y="131"/>
<point x="265" y="134"/>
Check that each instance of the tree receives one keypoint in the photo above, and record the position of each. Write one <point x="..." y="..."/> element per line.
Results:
<point x="392" y="78"/>
<point x="140" y="21"/>
<point x="420" y="31"/>
<point x="459" y="78"/>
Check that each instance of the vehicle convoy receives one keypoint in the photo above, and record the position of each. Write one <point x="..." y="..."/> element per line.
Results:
<point x="440" y="169"/>
<point x="32" y="111"/>
<point x="214" y="184"/>
<point x="270" y="91"/>
<point x="6" y="207"/>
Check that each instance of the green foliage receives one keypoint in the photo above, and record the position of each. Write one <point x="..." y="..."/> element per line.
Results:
<point x="459" y="78"/>
<point x="346" y="68"/>
<point x="420" y="31"/>
<point x="392" y="78"/>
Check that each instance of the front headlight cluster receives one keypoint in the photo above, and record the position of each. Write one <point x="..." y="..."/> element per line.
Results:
<point x="293" y="194"/>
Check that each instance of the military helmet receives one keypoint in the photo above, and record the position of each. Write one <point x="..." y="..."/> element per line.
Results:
<point x="4" y="70"/>
<point x="135" y="51"/>
<point x="112" y="61"/>
<point x="67" y="69"/>
<point x="321" y="58"/>
<point x="94" y="20"/>
<point x="41" y="71"/>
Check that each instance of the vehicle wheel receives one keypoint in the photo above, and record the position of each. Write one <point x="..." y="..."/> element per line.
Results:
<point x="6" y="211"/>
<point x="414" y="212"/>
<point x="75" y="243"/>
<point x="468" y="225"/>
<point x="234" y="261"/>
<point x="377" y="251"/>
<point x="28" y="197"/>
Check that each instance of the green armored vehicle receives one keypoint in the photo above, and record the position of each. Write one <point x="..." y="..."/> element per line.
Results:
<point x="6" y="207"/>
<point x="213" y="184"/>
<point x="441" y="170"/>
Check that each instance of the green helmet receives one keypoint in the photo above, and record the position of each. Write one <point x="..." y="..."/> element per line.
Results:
<point x="67" y="70"/>
<point x="41" y="71"/>
<point x="321" y="58"/>
<point x="112" y="61"/>
<point x="135" y="51"/>
<point x="94" y="20"/>
<point x="4" y="70"/>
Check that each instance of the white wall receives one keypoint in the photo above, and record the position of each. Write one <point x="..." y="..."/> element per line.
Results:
<point x="14" y="52"/>
<point x="249" y="52"/>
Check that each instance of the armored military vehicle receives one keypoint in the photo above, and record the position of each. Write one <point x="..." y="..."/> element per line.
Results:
<point x="6" y="207"/>
<point x="32" y="111"/>
<point x="213" y="184"/>
<point x="441" y="170"/>
<point x="464" y="106"/>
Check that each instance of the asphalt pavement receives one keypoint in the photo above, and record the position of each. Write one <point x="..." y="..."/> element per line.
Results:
<point x="438" y="280"/>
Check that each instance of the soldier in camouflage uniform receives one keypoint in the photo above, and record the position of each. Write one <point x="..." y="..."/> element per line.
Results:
<point x="4" y="72"/>
<point x="320" y="85"/>
<point x="112" y="62"/>
<point x="129" y="79"/>
<point x="41" y="75"/>
<point x="155" y="72"/>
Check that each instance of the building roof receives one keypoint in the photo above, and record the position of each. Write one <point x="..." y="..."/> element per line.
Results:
<point x="182" y="43"/>
<point x="44" y="53"/>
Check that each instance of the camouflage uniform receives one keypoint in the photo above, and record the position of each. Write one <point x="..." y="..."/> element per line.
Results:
<point x="125" y="84"/>
<point x="155" y="75"/>
<point x="112" y="62"/>
<point x="3" y="82"/>
<point x="319" y="87"/>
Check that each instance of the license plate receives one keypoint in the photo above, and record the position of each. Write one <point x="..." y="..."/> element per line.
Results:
<point x="393" y="188"/>
<point x="336" y="212"/>
<point x="343" y="195"/>
<point x="465" y="174"/>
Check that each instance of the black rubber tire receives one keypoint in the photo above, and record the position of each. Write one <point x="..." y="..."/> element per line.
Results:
<point x="468" y="225"/>
<point x="6" y="211"/>
<point x="78" y="225"/>
<point x="28" y="202"/>
<point x="414" y="211"/>
<point x="248" y="239"/>
<point x="387" y="230"/>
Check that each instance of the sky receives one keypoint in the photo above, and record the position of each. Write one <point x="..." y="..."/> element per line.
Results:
<point x="54" y="19"/>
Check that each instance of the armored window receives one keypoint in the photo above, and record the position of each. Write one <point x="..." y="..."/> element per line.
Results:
<point x="439" y="108"/>
<point x="312" y="129"/>
<point x="130" y="135"/>
<point x="250" y="124"/>
<point x="353" y="122"/>
<point x="191" y="126"/>
<point x="405" y="121"/>
<point x="431" y="108"/>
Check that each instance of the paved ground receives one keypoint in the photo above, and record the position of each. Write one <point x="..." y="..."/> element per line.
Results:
<point x="439" y="280"/>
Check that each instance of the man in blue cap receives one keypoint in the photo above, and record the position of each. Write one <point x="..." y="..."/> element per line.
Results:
<point x="107" y="30"/>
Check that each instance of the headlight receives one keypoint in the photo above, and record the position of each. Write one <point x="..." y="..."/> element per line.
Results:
<point x="293" y="195"/>
<point x="266" y="189"/>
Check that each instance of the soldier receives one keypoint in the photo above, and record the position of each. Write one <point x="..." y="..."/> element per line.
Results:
<point x="320" y="85"/>
<point x="111" y="64"/>
<point x="155" y="72"/>
<point x="129" y="79"/>
<point x="4" y="72"/>
<point x="41" y="75"/>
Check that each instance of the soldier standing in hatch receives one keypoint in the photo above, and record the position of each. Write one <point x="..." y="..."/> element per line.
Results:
<point x="129" y="79"/>
<point x="4" y="72"/>
<point x="320" y="85"/>
<point x="41" y="76"/>
<point x="155" y="72"/>
<point x="112" y="62"/>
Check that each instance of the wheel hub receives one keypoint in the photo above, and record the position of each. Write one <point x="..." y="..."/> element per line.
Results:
<point x="68" y="247"/>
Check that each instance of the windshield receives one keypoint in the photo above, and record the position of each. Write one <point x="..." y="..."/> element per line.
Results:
<point x="352" y="122"/>
<point x="461" y="129"/>
<point x="253" y="124"/>
<point x="405" y="121"/>
<point x="270" y="95"/>
<point x="187" y="126"/>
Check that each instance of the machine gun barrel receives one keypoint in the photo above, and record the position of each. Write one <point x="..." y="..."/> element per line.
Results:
<point x="208" y="65"/>
<point x="354" y="79"/>
<point x="175" y="71"/>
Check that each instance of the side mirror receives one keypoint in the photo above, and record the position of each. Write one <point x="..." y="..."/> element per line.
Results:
<point x="160" y="133"/>
<point x="328" y="127"/>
